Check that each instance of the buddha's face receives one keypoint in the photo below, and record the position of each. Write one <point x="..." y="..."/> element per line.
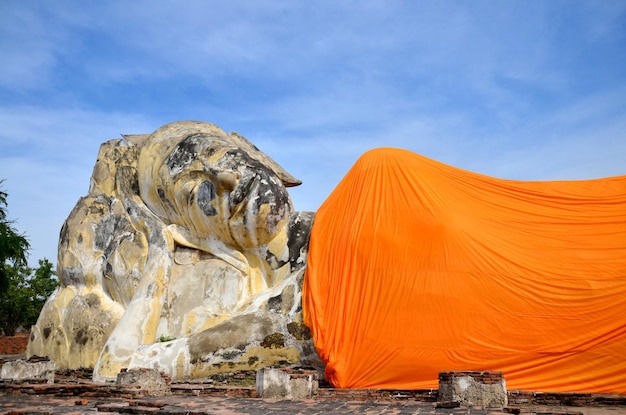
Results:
<point x="215" y="189"/>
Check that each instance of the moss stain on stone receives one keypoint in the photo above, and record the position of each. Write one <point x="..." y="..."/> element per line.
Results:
<point x="274" y="341"/>
<point x="254" y="359"/>
<point x="299" y="331"/>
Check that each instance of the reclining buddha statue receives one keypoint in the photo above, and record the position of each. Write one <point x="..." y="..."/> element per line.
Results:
<point x="185" y="256"/>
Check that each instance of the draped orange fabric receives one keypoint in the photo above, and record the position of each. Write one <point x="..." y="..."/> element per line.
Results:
<point x="416" y="267"/>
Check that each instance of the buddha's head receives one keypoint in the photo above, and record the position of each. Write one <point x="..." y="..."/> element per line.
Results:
<point x="216" y="185"/>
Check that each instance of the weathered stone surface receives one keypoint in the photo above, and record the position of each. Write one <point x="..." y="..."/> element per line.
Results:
<point x="472" y="388"/>
<point x="186" y="256"/>
<point x="20" y="371"/>
<point x="276" y="383"/>
<point x="151" y="382"/>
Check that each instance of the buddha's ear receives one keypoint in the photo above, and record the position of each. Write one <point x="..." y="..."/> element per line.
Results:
<point x="185" y="237"/>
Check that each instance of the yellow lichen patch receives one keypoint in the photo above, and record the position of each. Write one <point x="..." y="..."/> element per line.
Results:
<point x="151" y="323"/>
<point x="181" y="365"/>
<point x="63" y="297"/>
<point x="57" y="347"/>
<point x="278" y="246"/>
<point x="256" y="276"/>
<point x="102" y="177"/>
<point x="263" y="234"/>
<point x="192" y="324"/>
<point x="109" y="366"/>
<point x="51" y="320"/>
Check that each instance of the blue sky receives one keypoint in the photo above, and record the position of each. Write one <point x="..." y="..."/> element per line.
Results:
<point x="526" y="90"/>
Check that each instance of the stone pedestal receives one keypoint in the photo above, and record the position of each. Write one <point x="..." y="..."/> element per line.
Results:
<point x="24" y="371"/>
<point x="286" y="383"/>
<point x="472" y="388"/>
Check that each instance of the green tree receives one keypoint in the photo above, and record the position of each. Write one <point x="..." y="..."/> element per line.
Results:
<point x="23" y="290"/>
<point x="13" y="245"/>
<point x="42" y="285"/>
<point x="13" y="300"/>
<point x="26" y="293"/>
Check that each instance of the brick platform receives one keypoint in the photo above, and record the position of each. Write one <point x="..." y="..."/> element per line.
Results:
<point x="487" y="377"/>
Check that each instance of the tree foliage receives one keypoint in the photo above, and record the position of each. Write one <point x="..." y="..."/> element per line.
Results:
<point x="23" y="290"/>
<point x="13" y="245"/>
<point x="26" y="293"/>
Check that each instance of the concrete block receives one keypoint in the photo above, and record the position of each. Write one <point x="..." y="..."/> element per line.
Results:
<point x="151" y="382"/>
<point x="22" y="371"/>
<point x="473" y="388"/>
<point x="286" y="383"/>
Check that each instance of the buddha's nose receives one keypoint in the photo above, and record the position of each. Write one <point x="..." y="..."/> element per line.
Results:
<point x="225" y="180"/>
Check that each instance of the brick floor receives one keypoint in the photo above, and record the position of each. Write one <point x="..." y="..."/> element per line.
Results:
<point x="211" y="405"/>
<point x="74" y="393"/>
<point x="34" y="403"/>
